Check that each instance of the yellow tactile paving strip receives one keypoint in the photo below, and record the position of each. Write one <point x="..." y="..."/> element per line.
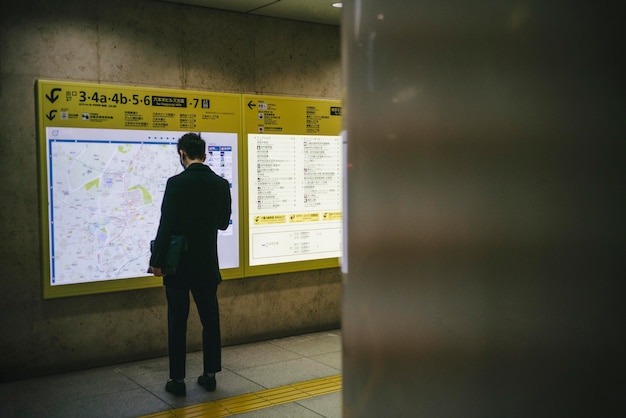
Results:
<point x="256" y="400"/>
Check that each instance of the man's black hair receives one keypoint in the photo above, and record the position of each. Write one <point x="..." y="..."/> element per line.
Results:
<point x="193" y="145"/>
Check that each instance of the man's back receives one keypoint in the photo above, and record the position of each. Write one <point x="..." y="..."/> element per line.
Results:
<point x="196" y="204"/>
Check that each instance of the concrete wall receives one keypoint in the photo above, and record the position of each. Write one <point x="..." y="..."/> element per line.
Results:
<point x="157" y="44"/>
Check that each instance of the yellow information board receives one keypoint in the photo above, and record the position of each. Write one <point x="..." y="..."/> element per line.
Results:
<point x="106" y="152"/>
<point x="293" y="184"/>
<point x="101" y="106"/>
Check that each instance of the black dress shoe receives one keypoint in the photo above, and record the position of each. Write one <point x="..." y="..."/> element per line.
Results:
<point x="207" y="382"/>
<point x="176" y="388"/>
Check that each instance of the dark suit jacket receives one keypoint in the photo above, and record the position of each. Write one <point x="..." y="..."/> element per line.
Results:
<point x="196" y="203"/>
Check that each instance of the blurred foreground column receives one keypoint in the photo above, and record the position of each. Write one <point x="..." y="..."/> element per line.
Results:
<point x="486" y="206"/>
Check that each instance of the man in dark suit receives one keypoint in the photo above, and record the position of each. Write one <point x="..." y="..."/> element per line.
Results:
<point x="196" y="203"/>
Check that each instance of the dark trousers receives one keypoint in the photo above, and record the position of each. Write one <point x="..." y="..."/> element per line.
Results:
<point x="177" y="314"/>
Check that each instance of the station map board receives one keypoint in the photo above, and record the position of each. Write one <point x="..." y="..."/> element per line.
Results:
<point x="106" y="152"/>
<point x="293" y="184"/>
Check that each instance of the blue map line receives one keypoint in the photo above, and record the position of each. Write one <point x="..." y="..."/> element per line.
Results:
<point x="52" y="266"/>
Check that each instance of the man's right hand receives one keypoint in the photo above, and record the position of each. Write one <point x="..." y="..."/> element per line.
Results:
<point x="156" y="271"/>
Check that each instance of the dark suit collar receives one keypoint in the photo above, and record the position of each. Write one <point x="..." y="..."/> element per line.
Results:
<point x="197" y="166"/>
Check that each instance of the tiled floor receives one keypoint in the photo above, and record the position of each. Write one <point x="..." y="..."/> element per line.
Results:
<point x="138" y="389"/>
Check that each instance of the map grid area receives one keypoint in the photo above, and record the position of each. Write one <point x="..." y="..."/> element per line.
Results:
<point x="104" y="204"/>
<point x="105" y="199"/>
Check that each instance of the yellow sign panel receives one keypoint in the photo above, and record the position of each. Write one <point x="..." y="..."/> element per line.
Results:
<point x="332" y="216"/>
<point x="289" y="115"/>
<point x="109" y="149"/>
<point x="270" y="219"/>
<point x="106" y="152"/>
<point x="84" y="105"/>
<point x="304" y="217"/>
<point x="294" y="169"/>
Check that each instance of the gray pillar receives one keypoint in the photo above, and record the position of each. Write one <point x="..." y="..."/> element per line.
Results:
<point x="486" y="205"/>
